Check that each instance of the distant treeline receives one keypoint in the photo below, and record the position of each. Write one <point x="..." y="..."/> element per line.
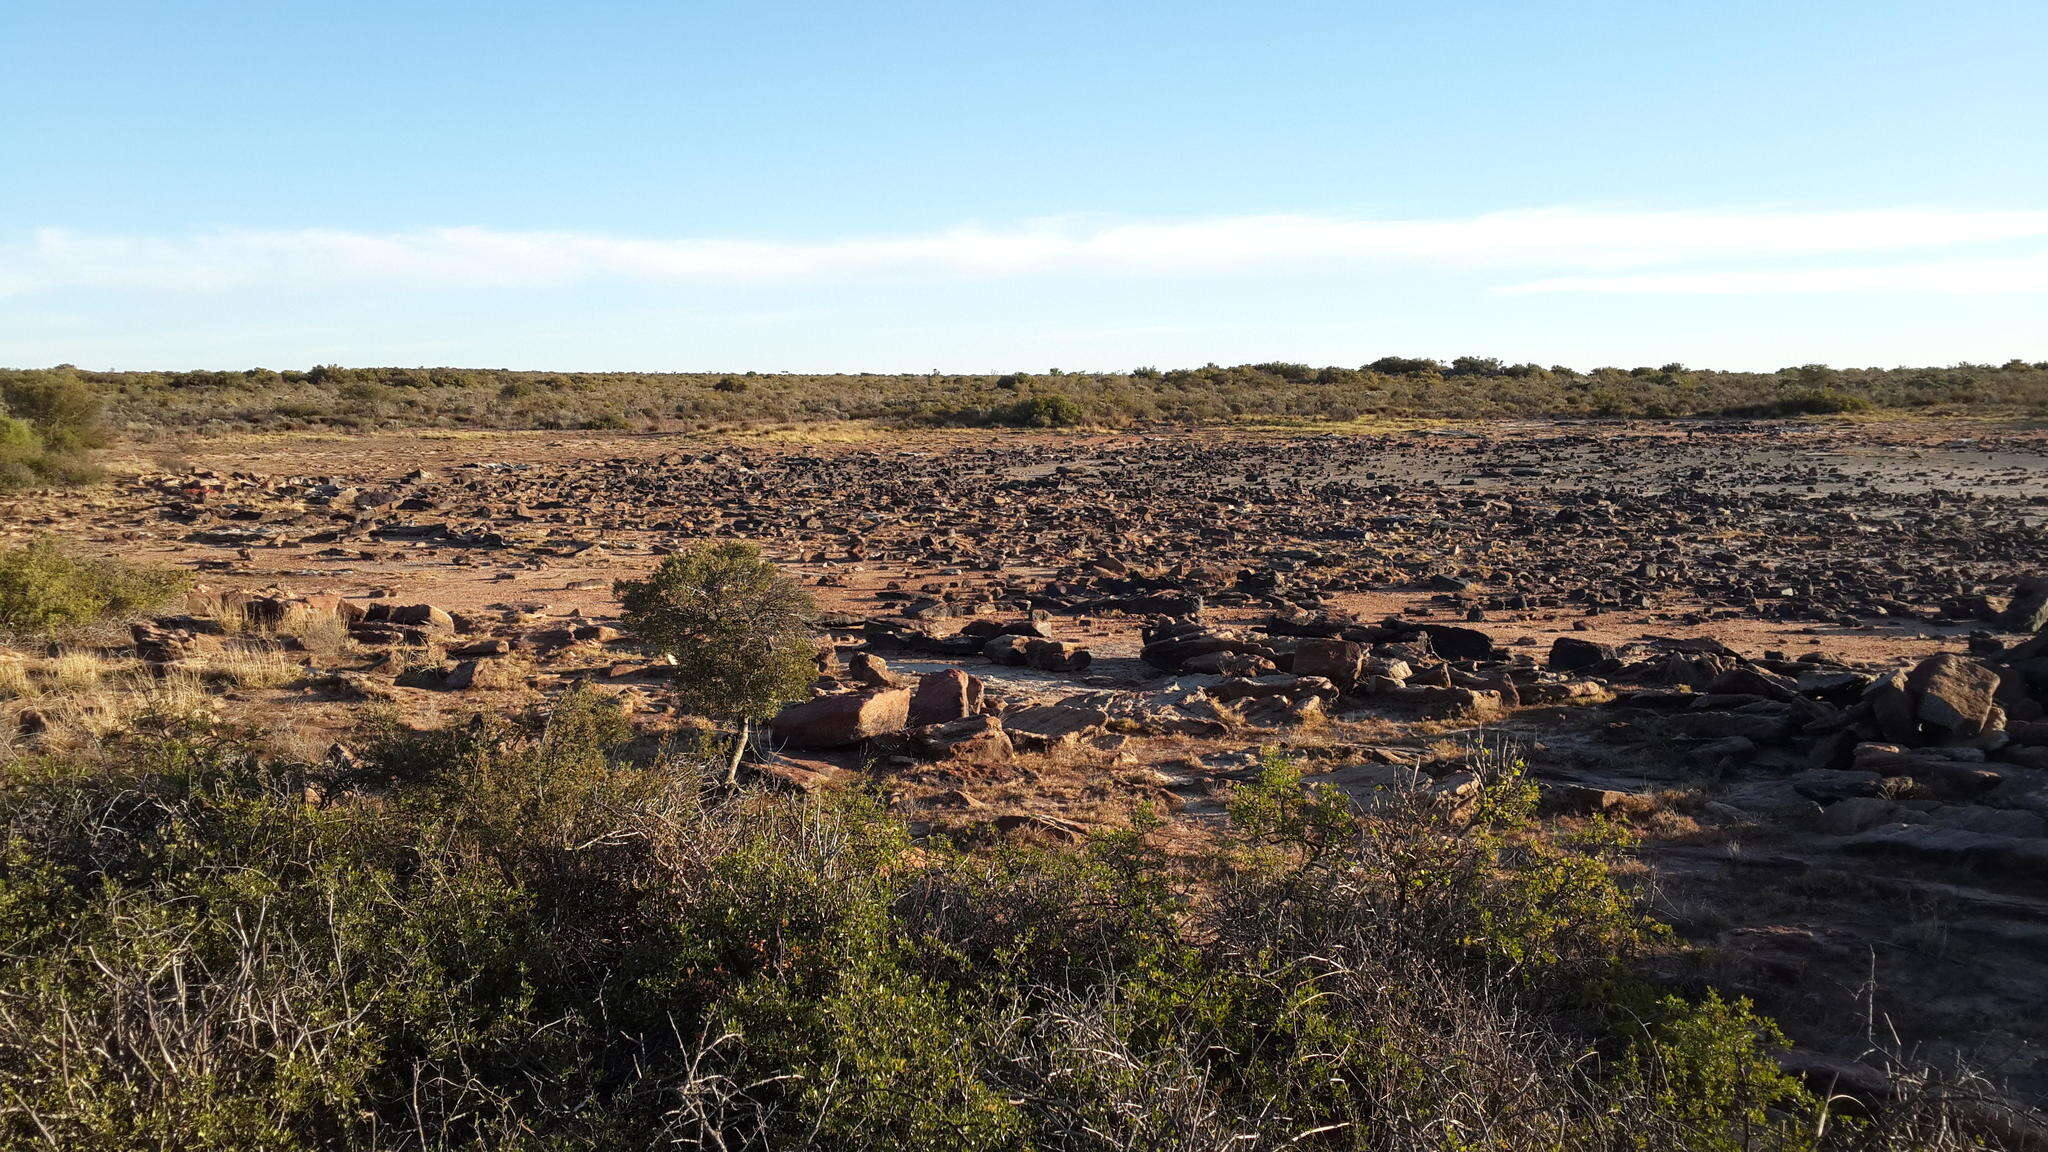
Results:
<point x="142" y="403"/>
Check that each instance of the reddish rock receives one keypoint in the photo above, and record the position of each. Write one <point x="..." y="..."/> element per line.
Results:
<point x="1339" y="661"/>
<point x="799" y="775"/>
<point x="869" y="669"/>
<point x="487" y="673"/>
<point x="1954" y="694"/>
<point x="1006" y="650"/>
<point x="1056" y="656"/>
<point x="1050" y="726"/>
<point x="416" y="615"/>
<point x="942" y="696"/>
<point x="973" y="740"/>
<point x="846" y="718"/>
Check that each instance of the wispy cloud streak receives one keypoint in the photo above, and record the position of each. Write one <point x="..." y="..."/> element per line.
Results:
<point x="1573" y="250"/>
<point x="2028" y="273"/>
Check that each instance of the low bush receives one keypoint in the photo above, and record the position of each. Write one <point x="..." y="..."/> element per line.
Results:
<point x="537" y="935"/>
<point x="49" y="422"/>
<point x="1044" y="410"/>
<point x="1823" y="401"/>
<point x="45" y="589"/>
<point x="1467" y="387"/>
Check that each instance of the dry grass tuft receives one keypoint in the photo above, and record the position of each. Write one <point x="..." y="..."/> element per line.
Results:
<point x="246" y="669"/>
<point x="77" y="698"/>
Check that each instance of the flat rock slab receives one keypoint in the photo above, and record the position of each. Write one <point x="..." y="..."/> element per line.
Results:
<point x="1048" y="726"/>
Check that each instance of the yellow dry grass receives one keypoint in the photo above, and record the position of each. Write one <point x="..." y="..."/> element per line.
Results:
<point x="830" y="432"/>
<point x="245" y="669"/>
<point x="1356" y="426"/>
<point x="320" y="633"/>
<point x="16" y="682"/>
<point x="76" y="698"/>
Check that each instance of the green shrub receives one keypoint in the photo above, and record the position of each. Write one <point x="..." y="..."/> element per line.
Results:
<point x="533" y="934"/>
<point x="1706" y="1068"/>
<point x="1826" y="400"/>
<point x="1466" y="388"/>
<point x="49" y="422"/>
<point x="1044" y="410"/>
<point x="737" y="629"/>
<point x="43" y="589"/>
<point x="1476" y="875"/>
<point x="21" y="453"/>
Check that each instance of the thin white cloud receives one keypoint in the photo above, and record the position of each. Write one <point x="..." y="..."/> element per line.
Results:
<point x="2027" y="273"/>
<point x="1564" y="241"/>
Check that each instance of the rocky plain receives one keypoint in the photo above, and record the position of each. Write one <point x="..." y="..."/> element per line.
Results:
<point x="1805" y="661"/>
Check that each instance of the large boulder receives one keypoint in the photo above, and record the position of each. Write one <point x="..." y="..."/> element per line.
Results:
<point x="1942" y="771"/>
<point x="416" y="615"/>
<point x="158" y="644"/>
<point x="942" y="696"/>
<point x="1341" y="662"/>
<point x="1891" y="707"/>
<point x="1229" y="664"/>
<point x="1056" y="656"/>
<point x="2028" y="611"/>
<point x="1007" y="650"/>
<point x="490" y="673"/>
<point x="842" y="719"/>
<point x="970" y="740"/>
<point x="1170" y="644"/>
<point x="1049" y="726"/>
<point x="1455" y="643"/>
<point x="1571" y="654"/>
<point x="1954" y="694"/>
<point x="1279" y="711"/>
<point x="872" y="671"/>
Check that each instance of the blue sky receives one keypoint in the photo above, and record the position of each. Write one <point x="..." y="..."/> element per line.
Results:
<point x="867" y="186"/>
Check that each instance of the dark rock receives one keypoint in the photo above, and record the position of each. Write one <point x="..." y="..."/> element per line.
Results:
<point x="1454" y="643"/>
<point x="1954" y="694"/>
<point x="1571" y="654"/>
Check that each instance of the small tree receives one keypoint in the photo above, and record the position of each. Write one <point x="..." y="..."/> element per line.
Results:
<point x="736" y="627"/>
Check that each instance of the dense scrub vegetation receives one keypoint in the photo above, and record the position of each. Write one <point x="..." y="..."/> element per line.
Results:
<point x="43" y="589"/>
<point x="542" y="935"/>
<point x="49" y="421"/>
<point x="142" y="403"/>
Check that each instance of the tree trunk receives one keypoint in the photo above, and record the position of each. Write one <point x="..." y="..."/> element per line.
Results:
<point x="739" y="750"/>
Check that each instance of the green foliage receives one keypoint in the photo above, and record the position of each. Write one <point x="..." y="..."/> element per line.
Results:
<point x="738" y="630"/>
<point x="49" y="421"/>
<point x="1823" y="400"/>
<point x="43" y="589"/>
<point x="1044" y="410"/>
<point x="1468" y="387"/>
<point x="883" y="1057"/>
<point x="529" y="935"/>
<point x="1707" y="1067"/>
<point x="1471" y="871"/>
